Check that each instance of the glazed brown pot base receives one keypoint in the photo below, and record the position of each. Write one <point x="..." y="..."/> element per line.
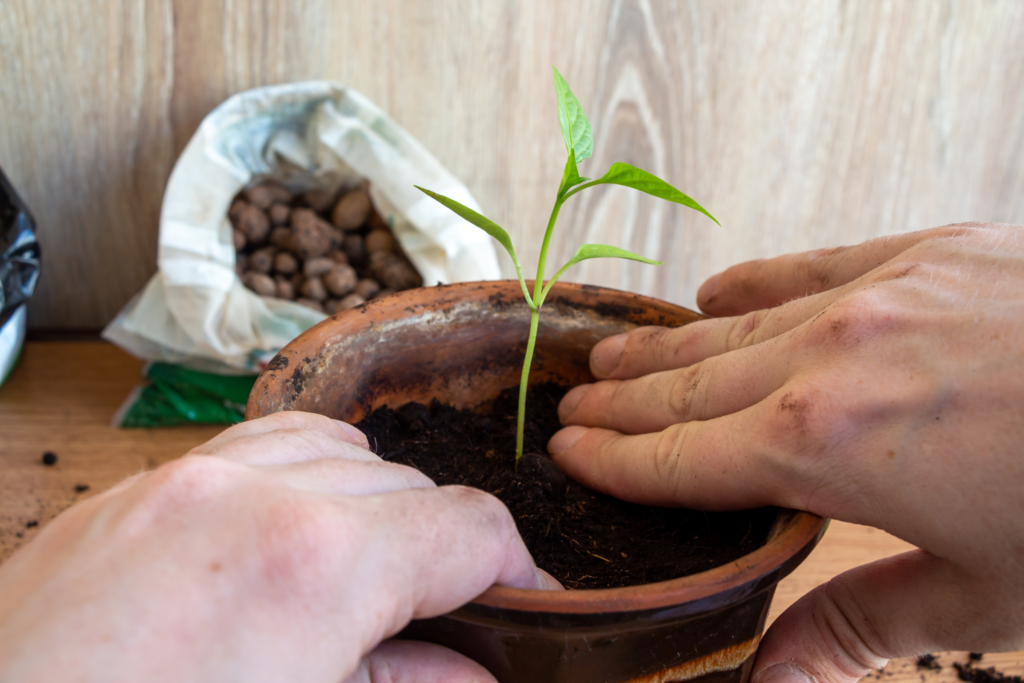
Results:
<point x="581" y="537"/>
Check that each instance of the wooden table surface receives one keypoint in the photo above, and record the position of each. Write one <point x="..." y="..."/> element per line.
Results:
<point x="63" y="394"/>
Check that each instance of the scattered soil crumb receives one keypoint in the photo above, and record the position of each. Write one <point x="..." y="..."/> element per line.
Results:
<point x="966" y="672"/>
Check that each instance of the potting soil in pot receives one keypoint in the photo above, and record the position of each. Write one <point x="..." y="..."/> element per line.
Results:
<point x="583" y="538"/>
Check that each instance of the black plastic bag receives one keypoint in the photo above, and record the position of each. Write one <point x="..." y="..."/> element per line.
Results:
<point x="20" y="256"/>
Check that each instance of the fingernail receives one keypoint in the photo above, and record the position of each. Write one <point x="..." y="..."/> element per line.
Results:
<point x="781" y="673"/>
<point x="707" y="290"/>
<point x="605" y="356"/>
<point x="548" y="582"/>
<point x="357" y="437"/>
<point x="571" y="400"/>
<point x="565" y="439"/>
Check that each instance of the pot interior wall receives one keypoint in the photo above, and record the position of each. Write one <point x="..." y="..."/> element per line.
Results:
<point x="458" y="349"/>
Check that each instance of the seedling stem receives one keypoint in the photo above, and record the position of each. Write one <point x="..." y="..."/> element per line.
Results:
<point x="578" y="139"/>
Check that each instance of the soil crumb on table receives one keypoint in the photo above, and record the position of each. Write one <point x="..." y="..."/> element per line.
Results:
<point x="968" y="672"/>
<point x="965" y="671"/>
<point x="583" y="538"/>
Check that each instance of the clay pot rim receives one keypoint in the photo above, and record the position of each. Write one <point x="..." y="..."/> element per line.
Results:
<point x="799" y="532"/>
<point x="804" y="529"/>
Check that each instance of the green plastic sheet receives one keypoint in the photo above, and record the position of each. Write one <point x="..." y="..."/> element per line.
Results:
<point x="174" y="395"/>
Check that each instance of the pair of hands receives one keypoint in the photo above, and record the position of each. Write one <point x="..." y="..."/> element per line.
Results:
<point x="879" y="384"/>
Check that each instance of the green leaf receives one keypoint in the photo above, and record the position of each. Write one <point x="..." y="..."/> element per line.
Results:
<point x="485" y="224"/>
<point x="589" y="251"/>
<point x="575" y="126"/>
<point x="570" y="176"/>
<point x="638" y="179"/>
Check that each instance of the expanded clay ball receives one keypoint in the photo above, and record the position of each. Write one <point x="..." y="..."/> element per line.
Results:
<point x="260" y="283"/>
<point x="319" y="200"/>
<point x="341" y="280"/>
<point x="313" y="288"/>
<point x="311" y="235"/>
<point x="267" y="193"/>
<point x="367" y="288"/>
<point x="285" y="263"/>
<point x="380" y="240"/>
<point x="253" y="223"/>
<point x="238" y="237"/>
<point x="400" y="276"/>
<point x="285" y="289"/>
<point x="379" y="260"/>
<point x="354" y="248"/>
<point x="311" y="303"/>
<point x="236" y="207"/>
<point x="352" y="210"/>
<point x="279" y="214"/>
<point x="393" y="272"/>
<point x="315" y="267"/>
<point x="337" y="237"/>
<point x="262" y="260"/>
<point x="338" y="256"/>
<point x="350" y="301"/>
<point x="281" y="237"/>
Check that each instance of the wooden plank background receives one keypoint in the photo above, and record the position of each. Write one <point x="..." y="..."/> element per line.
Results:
<point x="797" y="124"/>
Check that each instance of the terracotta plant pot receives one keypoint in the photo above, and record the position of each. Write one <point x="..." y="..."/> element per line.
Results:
<point x="463" y="344"/>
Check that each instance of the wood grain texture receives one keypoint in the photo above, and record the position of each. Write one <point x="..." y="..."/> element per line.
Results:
<point x="798" y="125"/>
<point x="63" y="395"/>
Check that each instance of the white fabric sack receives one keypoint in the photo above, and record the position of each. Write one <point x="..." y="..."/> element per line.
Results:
<point x="195" y="311"/>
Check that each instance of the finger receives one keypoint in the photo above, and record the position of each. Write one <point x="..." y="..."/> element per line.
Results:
<point x="702" y="465"/>
<point x="285" y="445"/>
<point x="749" y="458"/>
<point x="436" y="550"/>
<point x="904" y="605"/>
<point x="351" y="477"/>
<point x="655" y="349"/>
<point x="766" y="283"/>
<point x="711" y="388"/>
<point x="288" y="419"/>
<point x="409" y="661"/>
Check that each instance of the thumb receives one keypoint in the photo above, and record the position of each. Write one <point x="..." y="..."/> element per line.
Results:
<point x="839" y="632"/>
<point x="409" y="661"/>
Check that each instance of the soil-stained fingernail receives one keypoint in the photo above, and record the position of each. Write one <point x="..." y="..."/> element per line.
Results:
<point x="605" y="356"/>
<point x="782" y="672"/>
<point x="571" y="400"/>
<point x="358" y="438"/>
<point x="565" y="439"/>
<point x="708" y="289"/>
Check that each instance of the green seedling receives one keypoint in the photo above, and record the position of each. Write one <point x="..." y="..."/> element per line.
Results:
<point x="579" y="143"/>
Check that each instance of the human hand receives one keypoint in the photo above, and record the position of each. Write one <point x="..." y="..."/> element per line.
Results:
<point x="283" y="549"/>
<point x="880" y="384"/>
